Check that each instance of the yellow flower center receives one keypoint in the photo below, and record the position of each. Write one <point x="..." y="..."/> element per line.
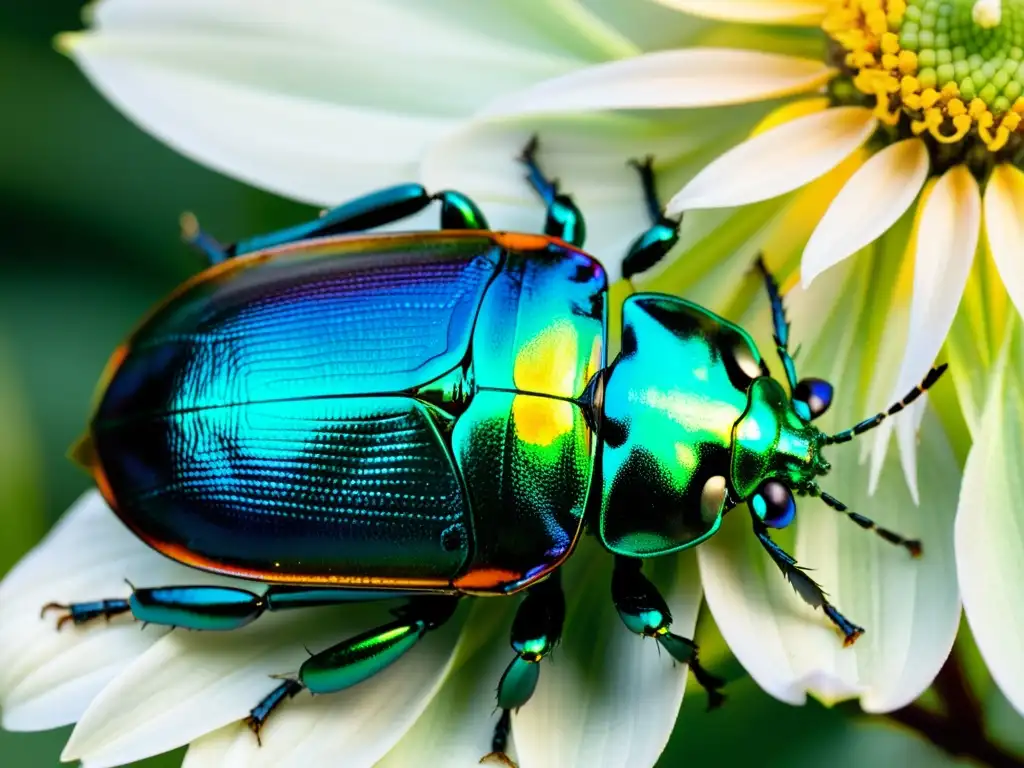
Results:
<point x="951" y="71"/>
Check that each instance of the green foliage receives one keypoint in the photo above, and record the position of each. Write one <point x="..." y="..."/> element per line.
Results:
<point x="81" y="260"/>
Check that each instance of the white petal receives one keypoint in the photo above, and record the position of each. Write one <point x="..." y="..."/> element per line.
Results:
<point x="946" y="241"/>
<point x="872" y="201"/>
<point x="778" y="161"/>
<point x="191" y="684"/>
<point x="908" y="607"/>
<point x="48" y="678"/>
<point x="990" y="532"/>
<point x="693" y="77"/>
<point x="809" y="12"/>
<point x="551" y="27"/>
<point x="587" y="154"/>
<point x="607" y="698"/>
<point x="311" y="100"/>
<point x="1004" y="223"/>
<point x="755" y="611"/>
<point x="649" y="25"/>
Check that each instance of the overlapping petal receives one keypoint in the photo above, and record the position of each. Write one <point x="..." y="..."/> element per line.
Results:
<point x="947" y="238"/>
<point x="909" y="607"/>
<point x="1004" y="224"/>
<point x="691" y="77"/>
<point x="191" y="684"/>
<point x="789" y="12"/>
<point x="588" y="156"/>
<point x="990" y="527"/>
<point x="459" y="722"/>
<point x="303" y="100"/>
<point x="608" y="699"/>
<point x="778" y="161"/>
<point x="48" y="677"/>
<point x="877" y="195"/>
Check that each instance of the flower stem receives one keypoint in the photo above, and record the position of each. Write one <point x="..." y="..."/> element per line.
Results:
<point x="960" y="730"/>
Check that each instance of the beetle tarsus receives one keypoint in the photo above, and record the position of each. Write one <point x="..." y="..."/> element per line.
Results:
<point x="545" y="187"/>
<point x="194" y="235"/>
<point x="61" y="620"/>
<point x="500" y="741"/>
<point x="529" y="153"/>
<point x="255" y="726"/>
<point x="84" y="613"/>
<point x="258" y="715"/>
<point x="564" y="218"/>
<point x="657" y="240"/>
<point x="849" y="630"/>
<point x="645" y="168"/>
<point x="712" y="684"/>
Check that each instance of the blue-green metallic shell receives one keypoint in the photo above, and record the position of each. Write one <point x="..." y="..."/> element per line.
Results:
<point x="671" y="401"/>
<point x="371" y="411"/>
<point x="772" y="440"/>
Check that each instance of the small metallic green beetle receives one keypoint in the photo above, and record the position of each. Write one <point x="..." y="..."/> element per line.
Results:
<point x="432" y="415"/>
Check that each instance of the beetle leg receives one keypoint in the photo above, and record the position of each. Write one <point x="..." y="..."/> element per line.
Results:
<point x="536" y="630"/>
<point x="354" y="660"/>
<point x="657" y="240"/>
<point x="564" y="219"/>
<point x="208" y="246"/>
<point x="805" y="586"/>
<point x="209" y="607"/>
<point x="644" y="611"/>
<point x="499" y="743"/>
<point x="83" y="613"/>
<point x="376" y="209"/>
<point x="373" y="210"/>
<point x="780" y="324"/>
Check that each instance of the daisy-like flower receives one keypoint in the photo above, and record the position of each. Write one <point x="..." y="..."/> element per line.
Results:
<point x="136" y="693"/>
<point x="322" y="101"/>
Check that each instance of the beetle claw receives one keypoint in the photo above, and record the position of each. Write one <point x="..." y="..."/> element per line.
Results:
<point x="852" y="637"/>
<point x="500" y="758"/>
<point x="255" y="726"/>
<point x="61" y="620"/>
<point x="53" y="607"/>
<point x="528" y="155"/>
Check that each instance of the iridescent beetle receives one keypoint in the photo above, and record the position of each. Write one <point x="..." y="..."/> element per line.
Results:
<point x="431" y="415"/>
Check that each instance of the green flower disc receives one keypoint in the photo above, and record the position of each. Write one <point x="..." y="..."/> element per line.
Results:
<point x="981" y="50"/>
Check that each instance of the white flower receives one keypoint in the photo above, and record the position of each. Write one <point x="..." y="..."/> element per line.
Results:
<point x="321" y="101"/>
<point x="136" y="693"/>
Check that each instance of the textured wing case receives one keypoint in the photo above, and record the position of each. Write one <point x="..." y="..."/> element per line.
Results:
<point x="398" y="411"/>
<point x="297" y="490"/>
<point x="238" y="433"/>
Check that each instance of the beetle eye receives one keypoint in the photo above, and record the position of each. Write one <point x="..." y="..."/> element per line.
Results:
<point x="812" y="397"/>
<point x="773" y="504"/>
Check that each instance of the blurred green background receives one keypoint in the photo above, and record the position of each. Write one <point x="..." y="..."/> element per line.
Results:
<point x="89" y="208"/>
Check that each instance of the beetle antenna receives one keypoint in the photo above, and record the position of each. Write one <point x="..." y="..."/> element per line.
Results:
<point x="780" y="324"/>
<point x="868" y="424"/>
<point x="911" y="545"/>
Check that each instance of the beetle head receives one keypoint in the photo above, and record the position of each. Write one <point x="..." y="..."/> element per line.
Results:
<point x="777" y="451"/>
<point x="772" y="441"/>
